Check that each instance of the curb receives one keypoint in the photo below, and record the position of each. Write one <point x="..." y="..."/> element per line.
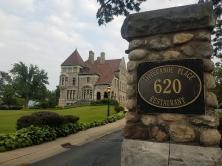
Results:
<point x="32" y="154"/>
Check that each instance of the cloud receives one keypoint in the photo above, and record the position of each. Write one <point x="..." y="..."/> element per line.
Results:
<point x="46" y="32"/>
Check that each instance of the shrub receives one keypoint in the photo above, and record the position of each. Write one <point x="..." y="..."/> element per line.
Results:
<point x="26" y="121"/>
<point x="118" y="108"/>
<point x="3" y="107"/>
<point x="105" y="102"/>
<point x="41" y="118"/>
<point x="51" y="119"/>
<point x="70" y="119"/>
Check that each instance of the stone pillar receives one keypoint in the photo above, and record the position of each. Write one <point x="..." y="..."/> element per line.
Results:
<point x="171" y="34"/>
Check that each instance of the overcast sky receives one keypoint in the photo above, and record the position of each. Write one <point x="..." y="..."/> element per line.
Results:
<point x="46" y="32"/>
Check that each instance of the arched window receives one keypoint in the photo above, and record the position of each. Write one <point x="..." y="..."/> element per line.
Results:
<point x="73" y="81"/>
<point x="105" y="95"/>
<point x="87" y="93"/>
<point x="98" y="96"/>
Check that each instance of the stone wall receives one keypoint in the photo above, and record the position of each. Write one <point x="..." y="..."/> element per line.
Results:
<point x="173" y="35"/>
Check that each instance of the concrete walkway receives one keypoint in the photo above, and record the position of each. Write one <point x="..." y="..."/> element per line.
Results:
<point x="29" y="155"/>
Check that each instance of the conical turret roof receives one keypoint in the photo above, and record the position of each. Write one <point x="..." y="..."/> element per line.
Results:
<point x="74" y="59"/>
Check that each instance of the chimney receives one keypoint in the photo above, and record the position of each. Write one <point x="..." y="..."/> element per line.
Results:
<point x="102" y="57"/>
<point x="91" y="57"/>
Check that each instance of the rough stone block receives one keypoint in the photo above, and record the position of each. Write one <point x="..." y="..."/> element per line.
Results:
<point x="135" y="131"/>
<point x="144" y="153"/>
<point x="203" y="35"/>
<point x="131" y="104"/>
<point x="158" y="134"/>
<point x="153" y="57"/>
<point x="131" y="78"/>
<point x="163" y="21"/>
<point x="159" y="43"/>
<point x="131" y="66"/>
<point x="198" y="49"/>
<point x="137" y="43"/>
<point x="148" y="120"/>
<point x="209" y="81"/>
<point x="211" y="100"/>
<point x="187" y="155"/>
<point x="132" y="117"/>
<point x="137" y="54"/>
<point x="131" y="91"/>
<point x="171" y="55"/>
<point x="208" y="65"/>
<point x="181" y="38"/>
<point x="210" y="137"/>
<point x="205" y="120"/>
<point x="181" y="133"/>
<point x="170" y="118"/>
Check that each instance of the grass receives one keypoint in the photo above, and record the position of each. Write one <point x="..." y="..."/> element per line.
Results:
<point x="8" y="118"/>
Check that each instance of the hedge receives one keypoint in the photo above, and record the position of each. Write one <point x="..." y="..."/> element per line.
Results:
<point x="44" y="118"/>
<point x="34" y="135"/>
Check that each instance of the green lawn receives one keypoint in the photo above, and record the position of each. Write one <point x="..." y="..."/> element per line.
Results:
<point x="86" y="113"/>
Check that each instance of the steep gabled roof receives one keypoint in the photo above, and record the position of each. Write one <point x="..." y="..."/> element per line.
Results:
<point x="106" y="71"/>
<point x="74" y="59"/>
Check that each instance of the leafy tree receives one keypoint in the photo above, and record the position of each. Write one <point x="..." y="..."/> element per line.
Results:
<point x="218" y="76"/>
<point x="217" y="32"/>
<point x="29" y="82"/>
<point x="4" y="78"/>
<point x="110" y="8"/>
<point x="8" y="96"/>
<point x="51" y="100"/>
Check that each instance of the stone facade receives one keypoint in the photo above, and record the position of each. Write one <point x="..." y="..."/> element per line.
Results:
<point x="87" y="81"/>
<point x="190" y="39"/>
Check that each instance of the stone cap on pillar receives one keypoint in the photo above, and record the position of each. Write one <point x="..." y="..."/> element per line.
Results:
<point x="190" y="17"/>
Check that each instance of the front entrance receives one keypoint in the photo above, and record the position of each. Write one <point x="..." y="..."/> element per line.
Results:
<point x="98" y="96"/>
<point x="105" y="95"/>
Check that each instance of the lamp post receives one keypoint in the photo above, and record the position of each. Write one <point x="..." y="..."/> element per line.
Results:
<point x="108" y="89"/>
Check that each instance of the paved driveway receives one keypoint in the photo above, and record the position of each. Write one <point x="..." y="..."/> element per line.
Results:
<point x="102" y="152"/>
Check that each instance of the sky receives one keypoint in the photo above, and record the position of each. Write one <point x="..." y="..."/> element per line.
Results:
<point x="46" y="32"/>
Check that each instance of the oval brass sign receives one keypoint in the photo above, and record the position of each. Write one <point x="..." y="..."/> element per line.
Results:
<point x="169" y="86"/>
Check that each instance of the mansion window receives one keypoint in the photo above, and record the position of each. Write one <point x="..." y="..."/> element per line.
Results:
<point x="86" y="93"/>
<point x="74" y="81"/>
<point x="71" y="94"/>
<point x="62" y="81"/>
<point x="88" y="79"/>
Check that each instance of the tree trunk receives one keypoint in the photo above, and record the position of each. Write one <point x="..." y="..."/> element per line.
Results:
<point x="26" y="102"/>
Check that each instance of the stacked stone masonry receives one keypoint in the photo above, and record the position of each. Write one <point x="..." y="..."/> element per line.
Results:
<point x="200" y="129"/>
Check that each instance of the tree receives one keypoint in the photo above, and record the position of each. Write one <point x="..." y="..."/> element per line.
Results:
<point x="51" y="100"/>
<point x="29" y="82"/>
<point x="218" y="76"/>
<point x="4" y="78"/>
<point x="8" y="96"/>
<point x="217" y="32"/>
<point x="110" y="8"/>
